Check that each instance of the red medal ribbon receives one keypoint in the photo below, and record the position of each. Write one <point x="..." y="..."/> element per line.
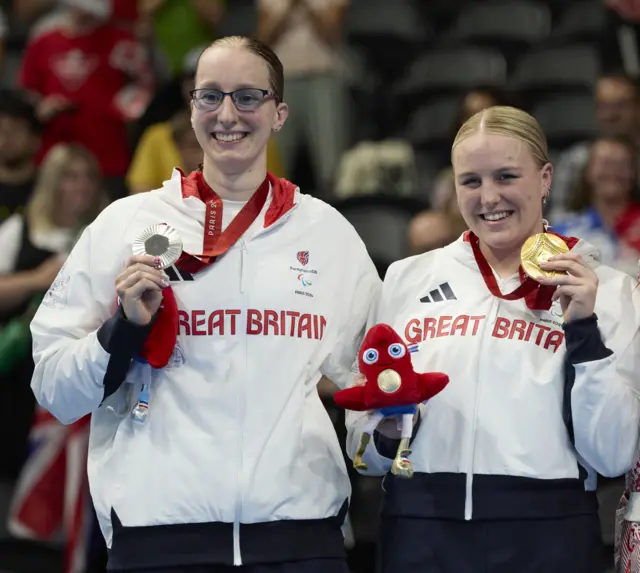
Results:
<point x="215" y="242"/>
<point x="536" y="295"/>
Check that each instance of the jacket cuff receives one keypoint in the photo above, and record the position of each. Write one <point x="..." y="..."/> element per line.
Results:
<point x="123" y="340"/>
<point x="584" y="341"/>
<point x="388" y="447"/>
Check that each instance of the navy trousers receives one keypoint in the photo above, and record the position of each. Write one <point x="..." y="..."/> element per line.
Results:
<point x="308" y="566"/>
<point x="415" y="545"/>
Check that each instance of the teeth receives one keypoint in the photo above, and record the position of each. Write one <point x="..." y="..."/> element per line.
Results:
<point x="496" y="216"/>
<point x="228" y="136"/>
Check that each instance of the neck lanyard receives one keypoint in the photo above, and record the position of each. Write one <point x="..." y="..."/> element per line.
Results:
<point x="536" y="295"/>
<point x="217" y="242"/>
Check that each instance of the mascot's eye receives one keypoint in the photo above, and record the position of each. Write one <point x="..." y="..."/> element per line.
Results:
<point x="370" y="356"/>
<point x="396" y="350"/>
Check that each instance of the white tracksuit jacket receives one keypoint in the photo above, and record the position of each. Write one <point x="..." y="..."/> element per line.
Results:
<point x="237" y="435"/>
<point x="532" y="408"/>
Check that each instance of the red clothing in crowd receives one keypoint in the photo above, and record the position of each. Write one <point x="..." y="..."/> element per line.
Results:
<point x="627" y="227"/>
<point x="105" y="74"/>
<point x="124" y="10"/>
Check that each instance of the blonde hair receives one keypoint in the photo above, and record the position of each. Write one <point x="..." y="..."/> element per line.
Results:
<point x="511" y="122"/>
<point x="42" y="209"/>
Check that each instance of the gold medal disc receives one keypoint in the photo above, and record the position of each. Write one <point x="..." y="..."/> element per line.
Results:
<point x="389" y="381"/>
<point x="538" y="249"/>
<point x="161" y="242"/>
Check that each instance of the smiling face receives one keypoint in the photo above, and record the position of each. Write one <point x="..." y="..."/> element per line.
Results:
<point x="611" y="171"/>
<point x="500" y="187"/>
<point x="235" y="141"/>
<point x="77" y="191"/>
<point x="616" y="106"/>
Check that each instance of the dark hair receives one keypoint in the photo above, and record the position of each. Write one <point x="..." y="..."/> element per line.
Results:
<point x="260" y="49"/>
<point x="581" y="195"/>
<point x="15" y="104"/>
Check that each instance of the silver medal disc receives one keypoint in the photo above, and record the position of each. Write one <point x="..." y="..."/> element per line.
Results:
<point x="161" y="242"/>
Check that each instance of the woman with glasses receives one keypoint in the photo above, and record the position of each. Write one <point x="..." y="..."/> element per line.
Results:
<point x="211" y="451"/>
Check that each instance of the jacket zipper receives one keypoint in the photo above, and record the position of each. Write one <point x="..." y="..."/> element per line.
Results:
<point x="237" y="553"/>
<point x="243" y="251"/>
<point x="468" y="500"/>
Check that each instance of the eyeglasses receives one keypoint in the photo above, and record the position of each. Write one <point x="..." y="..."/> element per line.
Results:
<point x="245" y="99"/>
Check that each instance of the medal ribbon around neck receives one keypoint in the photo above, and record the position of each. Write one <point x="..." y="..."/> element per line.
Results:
<point x="216" y="242"/>
<point x="536" y="295"/>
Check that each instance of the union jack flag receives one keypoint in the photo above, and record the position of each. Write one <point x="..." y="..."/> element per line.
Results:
<point x="52" y="495"/>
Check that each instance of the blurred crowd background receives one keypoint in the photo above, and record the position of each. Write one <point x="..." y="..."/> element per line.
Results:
<point x="94" y="106"/>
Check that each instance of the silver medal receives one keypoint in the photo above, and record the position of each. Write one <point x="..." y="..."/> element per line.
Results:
<point x="161" y="242"/>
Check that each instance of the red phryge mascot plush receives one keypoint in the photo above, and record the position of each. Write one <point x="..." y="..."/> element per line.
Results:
<point x="392" y="389"/>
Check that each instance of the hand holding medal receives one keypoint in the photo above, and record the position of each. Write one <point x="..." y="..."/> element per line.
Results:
<point x="140" y="288"/>
<point x="140" y="284"/>
<point x="546" y="258"/>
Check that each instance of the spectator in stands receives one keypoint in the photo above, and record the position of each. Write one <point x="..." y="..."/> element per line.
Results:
<point x="164" y="145"/>
<point x="186" y="142"/>
<point x="628" y="9"/>
<point x="306" y="35"/>
<point x="41" y="15"/>
<point x="46" y="15"/>
<point x="443" y="223"/>
<point x="617" y="109"/>
<point x="436" y="228"/>
<point x="179" y="26"/>
<point x="89" y="78"/>
<point x="476" y="100"/>
<point x="619" y="42"/>
<point x="19" y="142"/>
<point x="67" y="196"/>
<point x="604" y="205"/>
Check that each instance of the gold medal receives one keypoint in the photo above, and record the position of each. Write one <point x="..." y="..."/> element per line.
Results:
<point x="161" y="242"/>
<point x="539" y="249"/>
<point x="389" y="381"/>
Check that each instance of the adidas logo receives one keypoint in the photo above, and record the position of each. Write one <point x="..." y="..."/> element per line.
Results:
<point x="177" y="275"/>
<point x="443" y="292"/>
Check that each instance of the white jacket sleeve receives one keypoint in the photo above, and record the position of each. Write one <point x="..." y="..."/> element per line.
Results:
<point x="338" y="366"/>
<point x="75" y="327"/>
<point x="377" y="464"/>
<point x="605" y="404"/>
<point x="69" y="361"/>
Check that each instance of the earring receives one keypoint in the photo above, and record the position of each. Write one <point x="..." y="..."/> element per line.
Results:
<point x="275" y="129"/>
<point x="546" y="197"/>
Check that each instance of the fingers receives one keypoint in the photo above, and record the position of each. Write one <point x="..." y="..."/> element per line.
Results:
<point x="570" y="263"/>
<point x="128" y="278"/>
<point x="564" y="290"/>
<point x="568" y="291"/>
<point x="360" y="380"/>
<point x="135" y="266"/>
<point x="137" y="284"/>
<point x="561" y="280"/>
<point x="144" y="259"/>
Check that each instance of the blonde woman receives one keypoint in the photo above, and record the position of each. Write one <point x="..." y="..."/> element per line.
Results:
<point x="543" y="380"/>
<point x="68" y="195"/>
